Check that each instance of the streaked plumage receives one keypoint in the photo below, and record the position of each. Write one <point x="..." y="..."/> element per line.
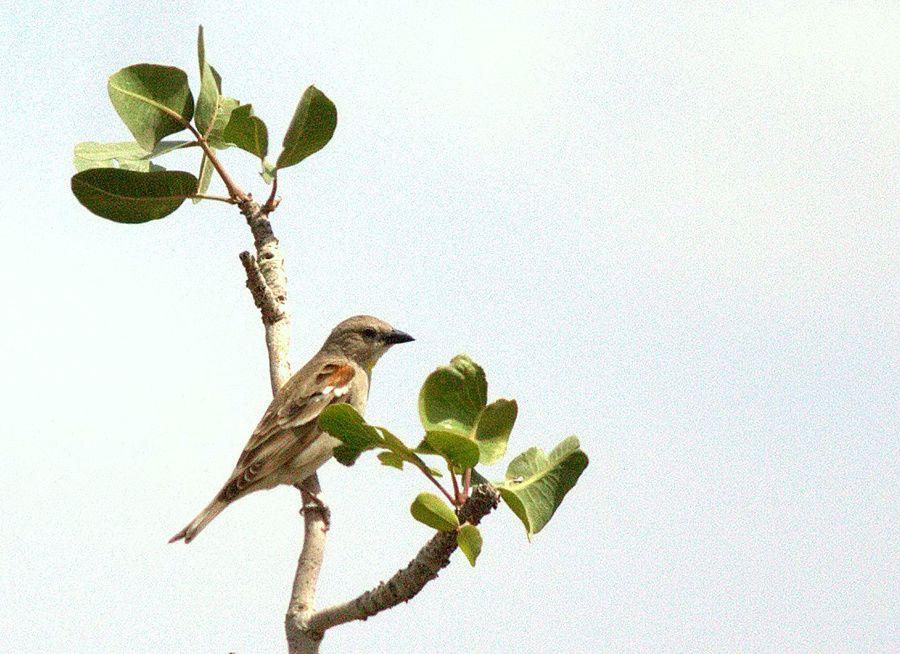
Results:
<point x="287" y="446"/>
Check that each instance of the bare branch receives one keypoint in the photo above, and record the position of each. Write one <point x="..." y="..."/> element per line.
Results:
<point x="269" y="289"/>
<point x="406" y="583"/>
<point x="263" y="297"/>
<point x="303" y="593"/>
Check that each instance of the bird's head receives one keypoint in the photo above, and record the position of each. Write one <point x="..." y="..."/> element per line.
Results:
<point x="364" y="339"/>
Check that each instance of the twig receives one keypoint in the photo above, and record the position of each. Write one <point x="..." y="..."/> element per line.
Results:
<point x="406" y="583"/>
<point x="234" y="191"/>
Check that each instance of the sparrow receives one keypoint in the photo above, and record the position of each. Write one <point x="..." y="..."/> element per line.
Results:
<point x="287" y="445"/>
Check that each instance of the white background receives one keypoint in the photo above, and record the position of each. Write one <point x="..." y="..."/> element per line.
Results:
<point x="671" y="232"/>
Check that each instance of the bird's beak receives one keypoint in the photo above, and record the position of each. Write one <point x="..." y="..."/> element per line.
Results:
<point x="396" y="336"/>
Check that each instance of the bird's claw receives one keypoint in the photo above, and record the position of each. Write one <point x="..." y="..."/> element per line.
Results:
<point x="312" y="502"/>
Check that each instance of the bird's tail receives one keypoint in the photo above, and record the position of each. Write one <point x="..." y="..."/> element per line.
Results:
<point x="203" y="518"/>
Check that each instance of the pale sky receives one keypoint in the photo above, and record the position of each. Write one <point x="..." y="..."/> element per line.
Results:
<point x="671" y="232"/>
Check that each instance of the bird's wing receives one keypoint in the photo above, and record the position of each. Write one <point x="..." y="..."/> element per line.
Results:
<point x="289" y="424"/>
<point x="303" y="398"/>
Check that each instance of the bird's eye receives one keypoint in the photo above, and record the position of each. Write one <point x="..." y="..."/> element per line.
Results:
<point x="369" y="333"/>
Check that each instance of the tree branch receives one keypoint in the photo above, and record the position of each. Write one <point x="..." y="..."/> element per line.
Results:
<point x="267" y="282"/>
<point x="303" y="593"/>
<point x="263" y="296"/>
<point x="406" y="583"/>
<point x="268" y="285"/>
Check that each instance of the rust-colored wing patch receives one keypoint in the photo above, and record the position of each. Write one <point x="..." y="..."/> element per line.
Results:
<point x="332" y="384"/>
<point x="340" y="376"/>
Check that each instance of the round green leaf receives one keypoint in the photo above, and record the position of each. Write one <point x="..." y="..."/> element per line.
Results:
<point x="153" y="101"/>
<point x="311" y="128"/>
<point x="431" y="510"/>
<point x="247" y="131"/>
<point x="126" y="196"/>
<point x="494" y="427"/>
<point x="453" y="396"/>
<point x="468" y="538"/>
<point x="536" y="483"/>
<point x="460" y="451"/>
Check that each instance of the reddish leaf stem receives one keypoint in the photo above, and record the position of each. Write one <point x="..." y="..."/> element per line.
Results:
<point x="271" y="203"/>
<point x="456" y="494"/>
<point x="434" y="481"/>
<point x="234" y="191"/>
<point x="219" y="198"/>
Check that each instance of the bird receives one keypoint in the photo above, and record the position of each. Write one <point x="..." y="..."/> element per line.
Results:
<point x="287" y="445"/>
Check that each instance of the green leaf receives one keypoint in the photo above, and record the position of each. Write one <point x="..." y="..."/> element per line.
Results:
<point x="310" y="129"/>
<point x="346" y="455"/>
<point x="206" y="172"/>
<point x="459" y="451"/>
<point x="536" y="483"/>
<point x="391" y="459"/>
<point x="153" y="101"/>
<point x="86" y="164"/>
<point x="395" y="444"/>
<point x="406" y="453"/>
<point x="453" y="396"/>
<point x="479" y="479"/>
<point x="344" y="423"/>
<point x="431" y="510"/>
<point x="128" y="154"/>
<point x="126" y="196"/>
<point x="165" y="147"/>
<point x="141" y="166"/>
<point x="469" y="540"/>
<point x="208" y="98"/>
<point x="213" y="109"/>
<point x="268" y="172"/>
<point x="247" y="131"/>
<point x="494" y="427"/>
<point x="216" y="136"/>
<point x="424" y="448"/>
<point x="92" y="151"/>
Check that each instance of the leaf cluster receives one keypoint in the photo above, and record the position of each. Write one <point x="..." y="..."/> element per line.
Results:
<point x="122" y="181"/>
<point x="464" y="430"/>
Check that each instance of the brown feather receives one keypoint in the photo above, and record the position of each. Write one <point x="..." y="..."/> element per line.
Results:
<point x="285" y="444"/>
